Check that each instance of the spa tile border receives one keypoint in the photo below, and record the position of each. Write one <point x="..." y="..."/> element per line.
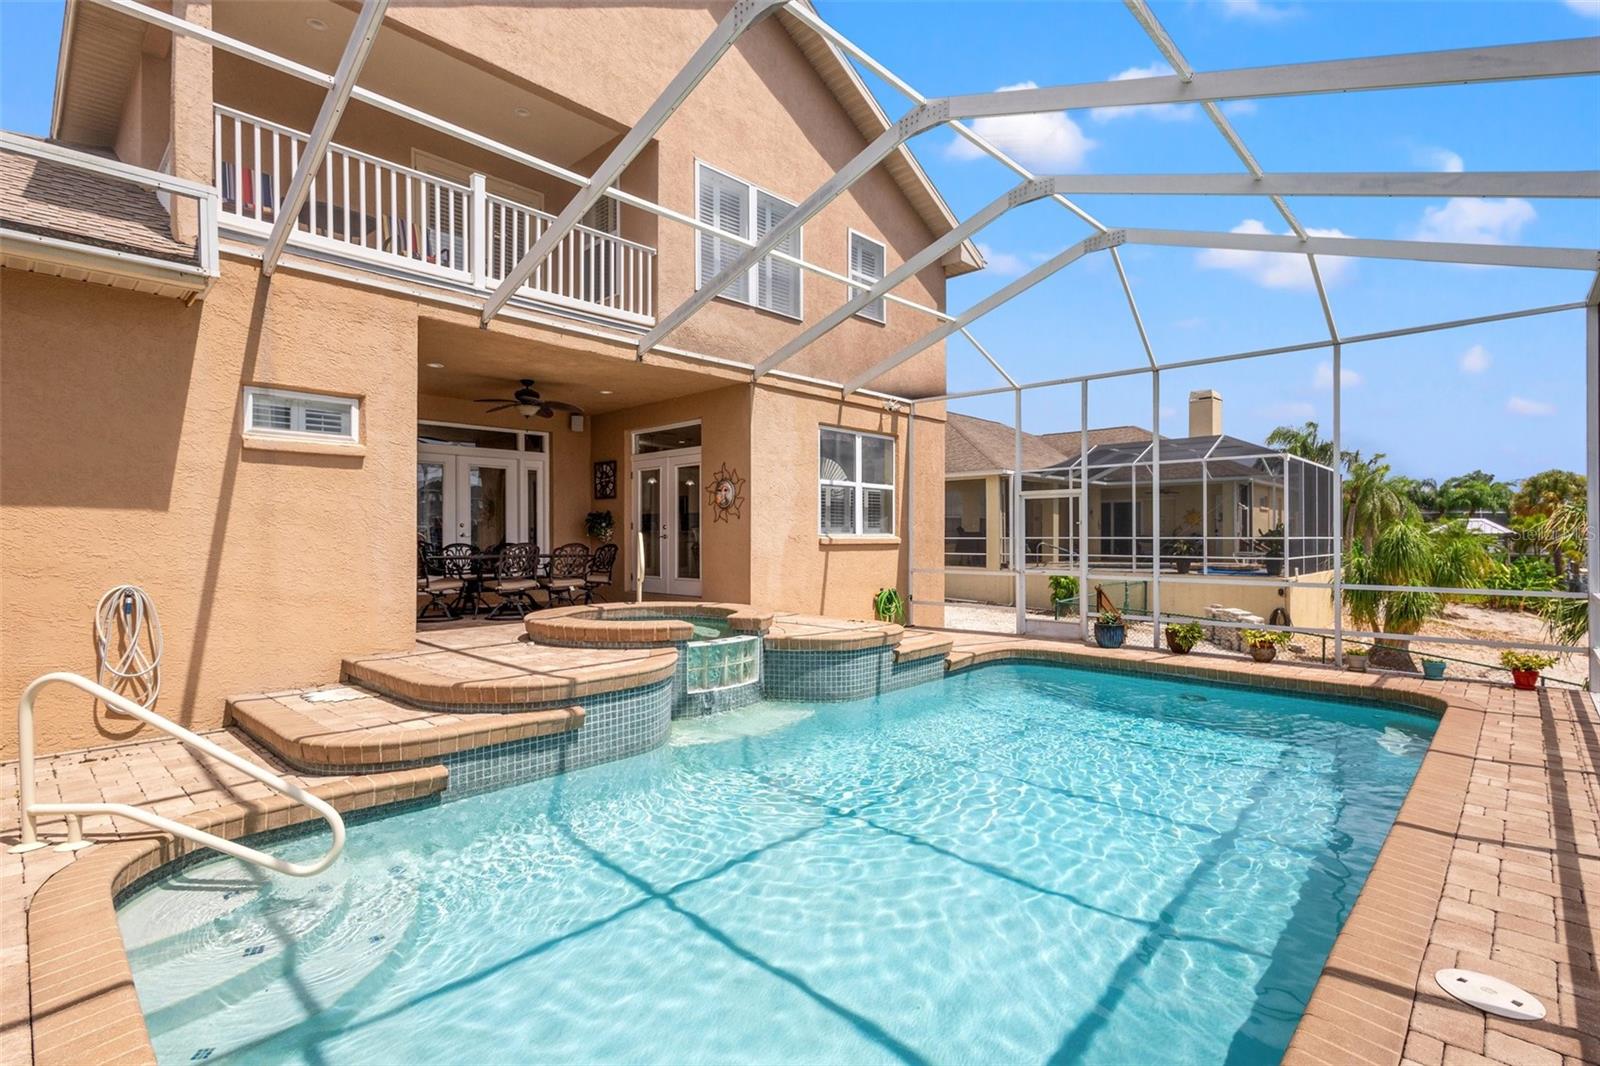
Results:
<point x="619" y="625"/>
<point x="84" y="1007"/>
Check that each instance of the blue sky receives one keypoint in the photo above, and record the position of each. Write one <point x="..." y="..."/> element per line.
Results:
<point x="1505" y="397"/>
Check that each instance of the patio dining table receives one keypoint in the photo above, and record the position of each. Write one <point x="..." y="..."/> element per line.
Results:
<point x="484" y="565"/>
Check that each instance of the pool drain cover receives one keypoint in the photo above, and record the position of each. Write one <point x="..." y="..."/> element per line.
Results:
<point x="1490" y="994"/>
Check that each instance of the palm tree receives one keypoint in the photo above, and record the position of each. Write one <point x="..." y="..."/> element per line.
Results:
<point x="1372" y="501"/>
<point x="1565" y="531"/>
<point x="1405" y="553"/>
<point x="1305" y="441"/>
<point x="1541" y="493"/>
<point x="1424" y="492"/>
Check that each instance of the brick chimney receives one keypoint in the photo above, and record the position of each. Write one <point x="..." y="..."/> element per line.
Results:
<point x="1205" y="413"/>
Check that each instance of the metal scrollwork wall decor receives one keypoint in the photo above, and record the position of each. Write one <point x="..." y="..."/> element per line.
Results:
<point x="725" y="494"/>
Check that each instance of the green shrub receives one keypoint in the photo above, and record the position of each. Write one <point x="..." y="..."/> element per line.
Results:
<point x="1525" y="660"/>
<point x="1063" y="587"/>
<point x="1261" y="638"/>
<point x="1185" y="635"/>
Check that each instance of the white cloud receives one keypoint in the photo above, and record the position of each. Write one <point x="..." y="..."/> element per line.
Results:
<point x="1475" y="360"/>
<point x="1192" y="322"/>
<point x="1047" y="140"/>
<point x="1441" y="159"/>
<point x="1587" y="8"/>
<point x="1288" y="411"/>
<point x="1323" y="378"/>
<point x="1257" y="10"/>
<point x="1006" y="264"/>
<point x="1240" y="108"/>
<point x="1518" y="405"/>
<point x="1473" y="221"/>
<point x="1162" y="112"/>
<point x="1276" y="270"/>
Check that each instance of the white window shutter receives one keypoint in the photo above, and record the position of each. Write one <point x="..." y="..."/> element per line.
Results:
<point x="867" y="264"/>
<point x="779" y="282"/>
<point x="723" y="203"/>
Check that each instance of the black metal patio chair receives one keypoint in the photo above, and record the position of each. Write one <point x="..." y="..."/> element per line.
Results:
<point x="433" y="583"/>
<point x="601" y="563"/>
<point x="569" y="571"/>
<point x="516" y="576"/>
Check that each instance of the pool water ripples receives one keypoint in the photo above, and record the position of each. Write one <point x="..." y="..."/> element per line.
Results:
<point x="1022" y="863"/>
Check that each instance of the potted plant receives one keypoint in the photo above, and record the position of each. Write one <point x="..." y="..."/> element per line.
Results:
<point x="1182" y="637"/>
<point x="1271" y="543"/>
<point x="599" y="525"/>
<point x="1109" y="629"/>
<point x="1525" y="667"/>
<point x="1433" y="669"/>
<point x="1264" y="643"/>
<point x="1063" y="593"/>
<point x="887" y="606"/>
<point x="1355" y="660"/>
<point x="1182" y="551"/>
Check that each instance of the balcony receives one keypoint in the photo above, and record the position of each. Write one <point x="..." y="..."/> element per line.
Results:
<point x="393" y="217"/>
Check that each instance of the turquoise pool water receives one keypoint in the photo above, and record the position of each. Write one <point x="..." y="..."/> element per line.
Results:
<point x="1020" y="864"/>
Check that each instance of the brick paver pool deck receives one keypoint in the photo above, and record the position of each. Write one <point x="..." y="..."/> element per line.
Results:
<point x="1493" y="863"/>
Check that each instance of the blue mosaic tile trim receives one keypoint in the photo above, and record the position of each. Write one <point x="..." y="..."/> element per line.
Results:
<point x="824" y="676"/>
<point x="916" y="672"/>
<point x="615" y="726"/>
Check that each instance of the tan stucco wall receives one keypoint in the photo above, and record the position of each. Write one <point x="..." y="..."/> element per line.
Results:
<point x="725" y="417"/>
<point x="121" y="461"/>
<point x="762" y="114"/>
<point x="146" y="124"/>
<point x="793" y="567"/>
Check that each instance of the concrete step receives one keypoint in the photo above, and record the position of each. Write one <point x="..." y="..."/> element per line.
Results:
<point x="336" y="728"/>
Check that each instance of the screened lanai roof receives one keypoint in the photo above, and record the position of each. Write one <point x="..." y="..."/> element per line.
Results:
<point x="1218" y="458"/>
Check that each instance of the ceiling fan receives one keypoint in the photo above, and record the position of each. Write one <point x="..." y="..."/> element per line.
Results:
<point x="528" y="401"/>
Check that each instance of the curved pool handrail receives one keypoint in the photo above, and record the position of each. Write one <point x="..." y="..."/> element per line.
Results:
<point x="74" y="812"/>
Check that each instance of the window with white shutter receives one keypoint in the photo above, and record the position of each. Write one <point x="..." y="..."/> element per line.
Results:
<point x="778" y="284"/>
<point x="740" y="209"/>
<point x="724" y="202"/>
<point x="855" y="484"/>
<point x="279" y="413"/>
<point x="867" y="260"/>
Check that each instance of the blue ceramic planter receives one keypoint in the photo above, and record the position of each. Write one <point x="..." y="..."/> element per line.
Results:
<point x="1109" y="636"/>
<point x="1433" y="669"/>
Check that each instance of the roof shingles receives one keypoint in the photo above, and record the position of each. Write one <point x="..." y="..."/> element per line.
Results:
<point x="53" y="199"/>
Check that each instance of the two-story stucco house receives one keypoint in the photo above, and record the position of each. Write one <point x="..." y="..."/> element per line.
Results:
<point x="263" y="452"/>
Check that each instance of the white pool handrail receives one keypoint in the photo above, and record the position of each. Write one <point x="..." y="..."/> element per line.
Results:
<point x="74" y="812"/>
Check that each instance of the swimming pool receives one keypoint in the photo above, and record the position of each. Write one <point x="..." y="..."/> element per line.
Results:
<point x="1020" y="863"/>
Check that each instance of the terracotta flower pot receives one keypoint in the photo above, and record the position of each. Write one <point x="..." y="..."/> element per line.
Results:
<point x="1263" y="653"/>
<point x="1526" y="680"/>
<point x="1176" y="646"/>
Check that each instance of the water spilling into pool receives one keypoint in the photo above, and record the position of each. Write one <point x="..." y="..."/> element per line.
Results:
<point x="1024" y="864"/>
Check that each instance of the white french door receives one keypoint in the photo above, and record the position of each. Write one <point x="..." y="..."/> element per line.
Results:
<point x="481" y="499"/>
<point x="666" y="510"/>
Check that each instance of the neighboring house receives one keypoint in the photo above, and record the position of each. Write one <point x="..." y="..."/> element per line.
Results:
<point x="1229" y="508"/>
<point x="263" y="453"/>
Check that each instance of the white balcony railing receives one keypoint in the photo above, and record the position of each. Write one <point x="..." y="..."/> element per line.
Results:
<point x="370" y="209"/>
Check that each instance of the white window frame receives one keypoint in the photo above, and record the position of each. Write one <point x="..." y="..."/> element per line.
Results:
<point x="858" y="519"/>
<point x="298" y="402"/>
<point x="522" y="444"/>
<point x="753" y="281"/>
<point x="863" y="283"/>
